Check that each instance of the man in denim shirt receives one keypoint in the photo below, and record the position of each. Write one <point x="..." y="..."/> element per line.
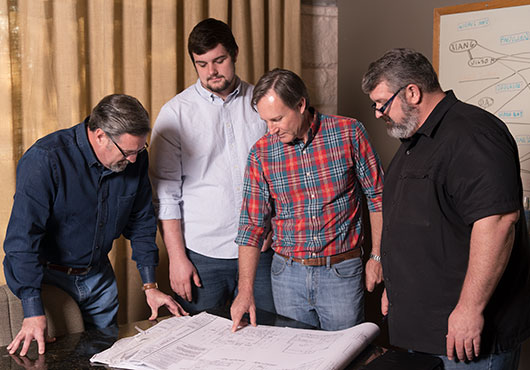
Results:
<point x="77" y="191"/>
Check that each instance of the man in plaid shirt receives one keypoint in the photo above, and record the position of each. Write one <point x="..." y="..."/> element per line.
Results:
<point x="306" y="178"/>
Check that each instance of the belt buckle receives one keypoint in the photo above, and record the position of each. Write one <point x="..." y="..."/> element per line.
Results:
<point x="78" y="270"/>
<point x="87" y="270"/>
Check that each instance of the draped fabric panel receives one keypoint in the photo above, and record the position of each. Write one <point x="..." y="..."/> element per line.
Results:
<point x="58" y="58"/>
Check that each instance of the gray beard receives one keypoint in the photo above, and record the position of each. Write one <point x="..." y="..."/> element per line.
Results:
<point x="408" y="126"/>
<point x="118" y="167"/>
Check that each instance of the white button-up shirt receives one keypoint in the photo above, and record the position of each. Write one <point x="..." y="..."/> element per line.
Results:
<point x="198" y="154"/>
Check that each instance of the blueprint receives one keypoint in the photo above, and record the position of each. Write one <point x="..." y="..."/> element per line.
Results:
<point x="485" y="59"/>
<point x="206" y="342"/>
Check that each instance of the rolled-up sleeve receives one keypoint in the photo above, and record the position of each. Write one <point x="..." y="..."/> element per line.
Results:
<point x="256" y="208"/>
<point x="165" y="170"/>
<point x="369" y="169"/>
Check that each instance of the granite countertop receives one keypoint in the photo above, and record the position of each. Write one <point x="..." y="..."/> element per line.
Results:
<point x="73" y="351"/>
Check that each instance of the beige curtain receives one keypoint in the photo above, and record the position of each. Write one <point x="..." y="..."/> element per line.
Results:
<point x="58" y="58"/>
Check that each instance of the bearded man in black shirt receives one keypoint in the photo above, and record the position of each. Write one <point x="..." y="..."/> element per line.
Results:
<point x="455" y="248"/>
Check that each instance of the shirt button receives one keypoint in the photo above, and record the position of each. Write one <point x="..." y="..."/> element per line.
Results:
<point x="101" y="224"/>
<point x="313" y="217"/>
<point x="407" y="152"/>
<point x="308" y="174"/>
<point x="312" y="195"/>
<point x="97" y="246"/>
<point x="228" y="124"/>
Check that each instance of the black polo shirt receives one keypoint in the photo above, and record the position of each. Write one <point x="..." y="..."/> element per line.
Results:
<point x="462" y="165"/>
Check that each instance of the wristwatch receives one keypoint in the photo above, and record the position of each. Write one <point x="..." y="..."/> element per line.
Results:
<point x="375" y="257"/>
<point x="148" y="286"/>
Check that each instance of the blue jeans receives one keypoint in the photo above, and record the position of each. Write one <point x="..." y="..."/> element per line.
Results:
<point x="327" y="297"/>
<point x="497" y="361"/>
<point x="219" y="279"/>
<point x="96" y="293"/>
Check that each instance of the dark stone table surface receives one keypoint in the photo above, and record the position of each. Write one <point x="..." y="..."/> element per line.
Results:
<point x="73" y="351"/>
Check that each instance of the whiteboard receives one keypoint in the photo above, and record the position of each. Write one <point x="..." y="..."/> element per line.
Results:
<point x="484" y="57"/>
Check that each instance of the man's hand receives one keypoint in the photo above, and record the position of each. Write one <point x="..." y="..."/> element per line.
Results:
<point x="384" y="303"/>
<point x="490" y="247"/>
<point x="155" y="299"/>
<point x="181" y="270"/>
<point x="374" y="269"/>
<point x="243" y="303"/>
<point x="267" y="243"/>
<point x="373" y="274"/>
<point x="181" y="274"/>
<point x="463" y="333"/>
<point x="32" y="328"/>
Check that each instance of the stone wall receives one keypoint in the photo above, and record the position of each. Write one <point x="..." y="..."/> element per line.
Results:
<point x="320" y="52"/>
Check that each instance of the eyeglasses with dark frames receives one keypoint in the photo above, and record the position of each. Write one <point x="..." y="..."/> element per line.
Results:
<point x="385" y="106"/>
<point x="127" y="154"/>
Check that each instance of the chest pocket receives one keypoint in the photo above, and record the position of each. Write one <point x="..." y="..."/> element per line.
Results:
<point x="417" y="197"/>
<point x="125" y="205"/>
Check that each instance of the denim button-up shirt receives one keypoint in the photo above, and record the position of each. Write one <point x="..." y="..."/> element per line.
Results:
<point x="68" y="209"/>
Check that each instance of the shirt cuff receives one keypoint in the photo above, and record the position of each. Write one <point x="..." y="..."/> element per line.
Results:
<point x="148" y="274"/>
<point x="168" y="211"/>
<point x="32" y="306"/>
<point x="375" y="205"/>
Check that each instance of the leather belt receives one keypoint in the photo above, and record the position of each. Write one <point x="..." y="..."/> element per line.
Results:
<point x="322" y="261"/>
<point x="69" y="270"/>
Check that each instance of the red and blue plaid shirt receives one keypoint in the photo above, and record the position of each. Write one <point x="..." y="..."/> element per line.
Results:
<point x="311" y="192"/>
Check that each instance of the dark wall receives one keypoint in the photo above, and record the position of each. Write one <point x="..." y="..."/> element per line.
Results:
<point x="366" y="30"/>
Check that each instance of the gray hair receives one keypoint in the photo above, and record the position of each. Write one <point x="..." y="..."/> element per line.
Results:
<point x="119" y="114"/>
<point x="400" y="67"/>
<point x="286" y="84"/>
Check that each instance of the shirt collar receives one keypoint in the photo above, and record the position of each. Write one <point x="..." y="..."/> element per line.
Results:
<point x="84" y="145"/>
<point x="433" y="120"/>
<point x="315" y="126"/>
<point x="212" y="98"/>
<point x="312" y="131"/>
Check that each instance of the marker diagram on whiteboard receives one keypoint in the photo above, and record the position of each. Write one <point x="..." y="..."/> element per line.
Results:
<point x="485" y="59"/>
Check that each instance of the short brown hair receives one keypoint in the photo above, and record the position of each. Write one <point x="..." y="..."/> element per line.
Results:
<point x="286" y="84"/>
<point x="209" y="33"/>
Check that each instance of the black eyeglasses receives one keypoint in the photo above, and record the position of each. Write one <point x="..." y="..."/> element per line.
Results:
<point x="128" y="154"/>
<point x="384" y="107"/>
